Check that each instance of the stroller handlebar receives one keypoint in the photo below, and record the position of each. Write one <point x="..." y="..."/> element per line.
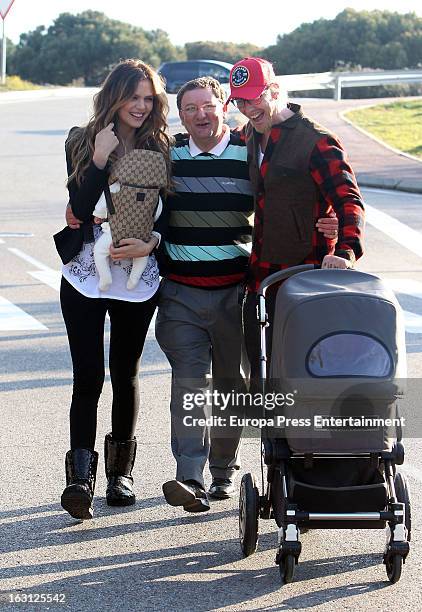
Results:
<point x="282" y="275"/>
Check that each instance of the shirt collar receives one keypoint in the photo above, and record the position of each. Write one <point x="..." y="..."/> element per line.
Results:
<point x="219" y="148"/>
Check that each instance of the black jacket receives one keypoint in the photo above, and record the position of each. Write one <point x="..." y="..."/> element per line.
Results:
<point x="82" y="200"/>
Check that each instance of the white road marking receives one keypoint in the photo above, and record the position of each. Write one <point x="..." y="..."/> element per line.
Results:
<point x="16" y="234"/>
<point x="13" y="318"/>
<point x="405" y="285"/>
<point x="46" y="275"/>
<point x="412" y="322"/>
<point x="398" y="231"/>
<point x="52" y="278"/>
<point x="29" y="259"/>
<point x="408" y="286"/>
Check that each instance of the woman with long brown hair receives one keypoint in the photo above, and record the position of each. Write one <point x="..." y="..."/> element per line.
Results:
<point x="130" y="113"/>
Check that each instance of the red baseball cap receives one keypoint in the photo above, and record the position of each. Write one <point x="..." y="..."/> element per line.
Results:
<point x="249" y="78"/>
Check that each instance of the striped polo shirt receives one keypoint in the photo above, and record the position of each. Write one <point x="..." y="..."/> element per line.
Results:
<point x="210" y="214"/>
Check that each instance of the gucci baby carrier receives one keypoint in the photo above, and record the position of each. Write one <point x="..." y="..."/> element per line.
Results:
<point x="338" y="349"/>
<point x="132" y="203"/>
<point x="141" y="174"/>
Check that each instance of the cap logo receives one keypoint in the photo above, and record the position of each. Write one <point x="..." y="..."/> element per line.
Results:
<point x="240" y="76"/>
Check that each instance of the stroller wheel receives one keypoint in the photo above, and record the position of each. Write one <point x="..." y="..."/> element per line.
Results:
<point x="393" y="566"/>
<point x="287" y="568"/>
<point x="248" y="514"/>
<point x="402" y="493"/>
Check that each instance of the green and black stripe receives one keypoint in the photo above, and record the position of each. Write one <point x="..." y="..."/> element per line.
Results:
<point x="210" y="216"/>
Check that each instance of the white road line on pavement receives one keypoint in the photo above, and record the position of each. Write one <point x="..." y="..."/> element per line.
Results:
<point x="1" y="241"/>
<point x="398" y="231"/>
<point x="408" y="286"/>
<point x="29" y="259"/>
<point x="13" y="318"/>
<point x="52" y="278"/>
<point x="16" y="234"/>
<point x="412" y="322"/>
<point x="405" y="285"/>
<point x="44" y="274"/>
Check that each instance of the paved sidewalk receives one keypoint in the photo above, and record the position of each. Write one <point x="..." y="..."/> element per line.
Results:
<point x="374" y="164"/>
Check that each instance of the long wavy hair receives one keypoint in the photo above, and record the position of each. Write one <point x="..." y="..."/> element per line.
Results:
<point x="117" y="89"/>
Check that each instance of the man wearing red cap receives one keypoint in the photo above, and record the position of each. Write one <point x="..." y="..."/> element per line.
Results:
<point x="299" y="173"/>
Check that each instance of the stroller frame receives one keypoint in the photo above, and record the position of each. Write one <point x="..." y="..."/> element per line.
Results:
<point x="253" y="505"/>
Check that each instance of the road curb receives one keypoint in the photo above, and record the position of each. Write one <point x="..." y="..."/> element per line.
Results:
<point x="389" y="184"/>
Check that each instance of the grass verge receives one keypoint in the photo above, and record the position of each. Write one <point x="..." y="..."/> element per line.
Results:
<point x="15" y="83"/>
<point x="398" y="124"/>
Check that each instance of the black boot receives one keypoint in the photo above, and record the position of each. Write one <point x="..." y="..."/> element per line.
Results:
<point x="81" y="470"/>
<point x="119" y="459"/>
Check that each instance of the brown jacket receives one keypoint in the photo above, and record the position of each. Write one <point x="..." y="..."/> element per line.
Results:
<point x="290" y="192"/>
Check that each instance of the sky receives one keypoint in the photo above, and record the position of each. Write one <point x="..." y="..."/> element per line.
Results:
<point x="246" y="21"/>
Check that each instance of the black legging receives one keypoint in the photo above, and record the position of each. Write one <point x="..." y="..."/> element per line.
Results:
<point x="84" y="319"/>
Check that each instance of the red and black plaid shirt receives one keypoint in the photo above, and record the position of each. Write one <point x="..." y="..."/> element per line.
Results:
<point x="337" y="191"/>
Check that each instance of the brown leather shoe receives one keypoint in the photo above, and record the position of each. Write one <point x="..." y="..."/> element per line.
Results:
<point x="189" y="494"/>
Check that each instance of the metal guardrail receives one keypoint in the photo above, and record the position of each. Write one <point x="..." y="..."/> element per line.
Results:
<point x="337" y="80"/>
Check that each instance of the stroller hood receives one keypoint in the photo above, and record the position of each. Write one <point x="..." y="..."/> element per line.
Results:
<point x="337" y="323"/>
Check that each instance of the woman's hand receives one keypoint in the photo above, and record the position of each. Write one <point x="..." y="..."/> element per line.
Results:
<point x="105" y="143"/>
<point x="133" y="247"/>
<point x="71" y="220"/>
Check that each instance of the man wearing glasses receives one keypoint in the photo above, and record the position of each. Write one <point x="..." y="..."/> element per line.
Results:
<point x="299" y="173"/>
<point x="205" y="257"/>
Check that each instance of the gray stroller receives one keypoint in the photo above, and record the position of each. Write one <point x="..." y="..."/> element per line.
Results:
<point x="338" y="349"/>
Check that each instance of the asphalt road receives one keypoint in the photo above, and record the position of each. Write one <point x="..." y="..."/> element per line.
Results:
<point x="152" y="556"/>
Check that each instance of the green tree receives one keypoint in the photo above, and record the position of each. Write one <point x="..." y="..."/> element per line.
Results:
<point x="222" y="51"/>
<point x="371" y="39"/>
<point x="24" y="58"/>
<point x="162" y="48"/>
<point x="10" y="51"/>
<point x="86" y="46"/>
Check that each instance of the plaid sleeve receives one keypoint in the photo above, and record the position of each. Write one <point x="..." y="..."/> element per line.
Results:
<point x="337" y="186"/>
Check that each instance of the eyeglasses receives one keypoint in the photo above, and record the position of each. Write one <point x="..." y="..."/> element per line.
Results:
<point x="241" y="102"/>
<point x="191" y="109"/>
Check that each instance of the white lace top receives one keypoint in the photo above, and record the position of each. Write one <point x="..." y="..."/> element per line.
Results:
<point x="82" y="275"/>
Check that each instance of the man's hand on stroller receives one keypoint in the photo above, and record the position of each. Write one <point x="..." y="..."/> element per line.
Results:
<point x="333" y="261"/>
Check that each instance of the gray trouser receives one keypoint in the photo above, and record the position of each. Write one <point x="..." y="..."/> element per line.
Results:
<point x="197" y="329"/>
